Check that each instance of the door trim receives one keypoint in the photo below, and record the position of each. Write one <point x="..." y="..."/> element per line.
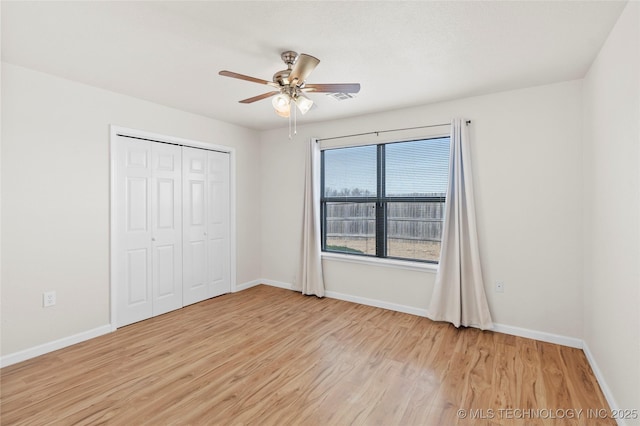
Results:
<point x="116" y="131"/>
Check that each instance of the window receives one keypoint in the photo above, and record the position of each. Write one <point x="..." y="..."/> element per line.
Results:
<point x="385" y="200"/>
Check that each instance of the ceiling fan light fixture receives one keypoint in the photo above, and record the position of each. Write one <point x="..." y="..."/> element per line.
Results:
<point x="304" y="104"/>
<point x="282" y="104"/>
<point x="284" y="113"/>
<point x="290" y="84"/>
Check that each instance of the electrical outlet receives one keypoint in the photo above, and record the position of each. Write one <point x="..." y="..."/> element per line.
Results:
<point x="499" y="287"/>
<point x="48" y="298"/>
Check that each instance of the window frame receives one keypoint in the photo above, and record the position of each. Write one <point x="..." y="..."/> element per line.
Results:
<point x="381" y="202"/>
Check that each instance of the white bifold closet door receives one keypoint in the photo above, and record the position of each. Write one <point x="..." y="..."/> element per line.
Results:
<point x="149" y="229"/>
<point x="172" y="239"/>
<point x="205" y="224"/>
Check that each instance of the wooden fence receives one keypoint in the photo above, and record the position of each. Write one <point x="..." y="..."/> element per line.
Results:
<point x="405" y="221"/>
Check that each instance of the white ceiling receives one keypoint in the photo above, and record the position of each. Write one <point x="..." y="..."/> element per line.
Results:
<point x="403" y="53"/>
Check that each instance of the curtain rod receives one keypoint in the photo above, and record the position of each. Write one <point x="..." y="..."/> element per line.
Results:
<point x="387" y="131"/>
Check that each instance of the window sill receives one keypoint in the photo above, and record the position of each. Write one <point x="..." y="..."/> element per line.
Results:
<point x="387" y="263"/>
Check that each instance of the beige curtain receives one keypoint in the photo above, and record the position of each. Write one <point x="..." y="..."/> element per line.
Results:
<point x="310" y="279"/>
<point x="458" y="295"/>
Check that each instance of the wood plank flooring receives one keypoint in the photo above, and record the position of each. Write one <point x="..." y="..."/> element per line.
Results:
<point x="268" y="356"/>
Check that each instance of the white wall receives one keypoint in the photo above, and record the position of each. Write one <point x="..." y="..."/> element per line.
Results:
<point x="55" y="199"/>
<point x="557" y="192"/>
<point x="612" y="210"/>
<point x="527" y="166"/>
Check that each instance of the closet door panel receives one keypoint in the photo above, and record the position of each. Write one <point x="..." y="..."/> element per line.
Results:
<point x="167" y="227"/>
<point x="137" y="280"/>
<point x="197" y="255"/>
<point x="133" y="248"/>
<point x="218" y="223"/>
<point x="137" y="204"/>
<point x="165" y="273"/>
<point x="194" y="204"/>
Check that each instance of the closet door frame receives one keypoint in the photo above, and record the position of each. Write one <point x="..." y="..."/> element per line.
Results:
<point x="116" y="131"/>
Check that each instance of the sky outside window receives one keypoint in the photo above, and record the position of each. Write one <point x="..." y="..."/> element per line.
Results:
<point x="412" y="168"/>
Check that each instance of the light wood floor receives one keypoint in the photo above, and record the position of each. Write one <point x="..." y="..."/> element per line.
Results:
<point x="268" y="356"/>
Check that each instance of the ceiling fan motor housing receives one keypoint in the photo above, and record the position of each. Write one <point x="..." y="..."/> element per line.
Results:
<point x="289" y="57"/>
<point x="282" y="77"/>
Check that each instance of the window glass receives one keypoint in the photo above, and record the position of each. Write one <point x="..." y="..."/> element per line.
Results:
<point x="417" y="168"/>
<point x="350" y="172"/>
<point x="405" y="220"/>
<point x="414" y="230"/>
<point x="351" y="228"/>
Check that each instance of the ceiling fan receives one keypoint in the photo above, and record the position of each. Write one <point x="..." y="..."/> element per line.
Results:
<point x="290" y="84"/>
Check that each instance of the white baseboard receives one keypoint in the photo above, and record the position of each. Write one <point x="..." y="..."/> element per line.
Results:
<point x="377" y="303"/>
<point x="603" y="384"/>
<point x="265" y="281"/>
<point x="542" y="336"/>
<point x="356" y="299"/>
<point x="26" y="354"/>
<point x="500" y="328"/>
<point x="247" y="285"/>
<point x="274" y="283"/>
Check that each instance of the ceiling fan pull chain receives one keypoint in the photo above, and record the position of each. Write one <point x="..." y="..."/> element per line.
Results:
<point x="295" y="120"/>
<point x="289" y="124"/>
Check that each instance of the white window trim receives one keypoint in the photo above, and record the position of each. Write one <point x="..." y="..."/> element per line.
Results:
<point x="380" y="261"/>
<point x="407" y="264"/>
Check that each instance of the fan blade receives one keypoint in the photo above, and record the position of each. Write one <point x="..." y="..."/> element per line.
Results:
<point x="258" y="98"/>
<point x="247" y="78"/>
<point x="332" y="88"/>
<point x="301" y="70"/>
